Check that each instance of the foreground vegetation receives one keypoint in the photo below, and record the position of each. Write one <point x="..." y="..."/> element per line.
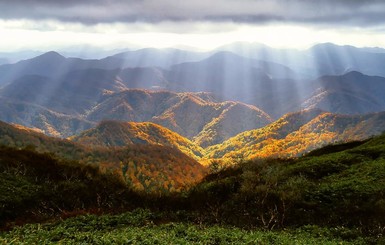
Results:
<point x="144" y="227"/>
<point x="333" y="194"/>
<point x="341" y="185"/>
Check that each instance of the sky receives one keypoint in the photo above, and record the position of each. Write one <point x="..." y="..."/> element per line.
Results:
<point x="196" y="24"/>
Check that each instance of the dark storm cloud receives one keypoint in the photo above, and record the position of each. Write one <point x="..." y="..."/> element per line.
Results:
<point x="342" y="12"/>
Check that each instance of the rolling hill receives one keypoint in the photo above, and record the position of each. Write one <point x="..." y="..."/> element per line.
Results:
<point x="48" y="121"/>
<point x="113" y="133"/>
<point x="351" y="93"/>
<point x="145" y="167"/>
<point x="185" y="113"/>
<point x="76" y="91"/>
<point x="235" y="118"/>
<point x="193" y="115"/>
<point x="297" y="133"/>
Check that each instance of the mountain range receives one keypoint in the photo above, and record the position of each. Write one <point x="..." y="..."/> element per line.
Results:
<point x="194" y="115"/>
<point x="267" y="78"/>
<point x="321" y="59"/>
<point x="292" y="135"/>
<point x="71" y="87"/>
<point x="239" y="101"/>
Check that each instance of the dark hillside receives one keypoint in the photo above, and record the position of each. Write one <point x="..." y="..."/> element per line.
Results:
<point x="38" y="186"/>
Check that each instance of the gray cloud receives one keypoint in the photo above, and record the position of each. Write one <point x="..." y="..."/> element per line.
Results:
<point x="360" y="13"/>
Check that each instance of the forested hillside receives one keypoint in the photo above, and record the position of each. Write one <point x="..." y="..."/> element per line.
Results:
<point x="298" y="133"/>
<point x="149" y="167"/>
<point x="113" y="133"/>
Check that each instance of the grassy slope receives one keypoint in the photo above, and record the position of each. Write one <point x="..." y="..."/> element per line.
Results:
<point x="337" y="185"/>
<point x="139" y="227"/>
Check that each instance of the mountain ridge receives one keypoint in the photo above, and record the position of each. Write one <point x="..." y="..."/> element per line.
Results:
<point x="351" y="93"/>
<point x="110" y="133"/>
<point x="41" y="91"/>
<point x="291" y="137"/>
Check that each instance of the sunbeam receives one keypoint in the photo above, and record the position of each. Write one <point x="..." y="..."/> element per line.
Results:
<point x="202" y="122"/>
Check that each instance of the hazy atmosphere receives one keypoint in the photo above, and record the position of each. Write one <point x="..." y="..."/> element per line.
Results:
<point x="117" y="24"/>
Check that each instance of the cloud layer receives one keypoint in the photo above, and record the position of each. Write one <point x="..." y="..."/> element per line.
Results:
<point x="361" y="13"/>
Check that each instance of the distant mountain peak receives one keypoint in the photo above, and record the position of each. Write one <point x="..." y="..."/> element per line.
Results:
<point x="50" y="55"/>
<point x="354" y="74"/>
<point x="347" y="75"/>
<point x="224" y="54"/>
<point x="325" y="45"/>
